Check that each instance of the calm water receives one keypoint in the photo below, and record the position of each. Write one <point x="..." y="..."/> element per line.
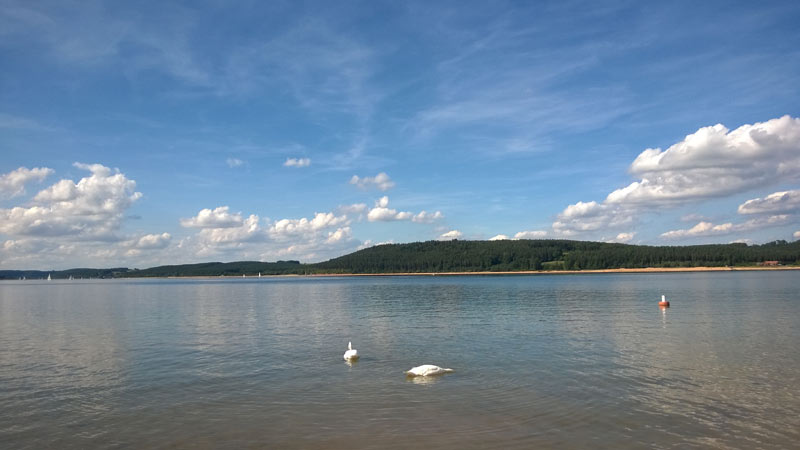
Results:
<point x="569" y="361"/>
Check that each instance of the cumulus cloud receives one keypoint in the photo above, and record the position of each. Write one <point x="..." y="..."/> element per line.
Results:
<point x="289" y="227"/>
<point x="709" y="229"/>
<point x="382" y="213"/>
<point x="710" y="163"/>
<point x="590" y="216"/>
<point x="234" y="162"/>
<point x="624" y="237"/>
<point x="152" y="241"/>
<point x="499" y="237"/>
<point x="426" y="217"/>
<point x="534" y="234"/>
<point x="297" y="162"/>
<point x="796" y="234"/>
<point x="92" y="208"/>
<point x="136" y="244"/>
<point x="778" y="202"/>
<point x="450" y="235"/>
<point x="380" y="181"/>
<point x="13" y="183"/>
<point x="715" y="162"/>
<point x="701" y="229"/>
<point x="213" y="218"/>
<point x="326" y="234"/>
<point x="60" y="252"/>
<point x="246" y="230"/>
<point x="341" y="234"/>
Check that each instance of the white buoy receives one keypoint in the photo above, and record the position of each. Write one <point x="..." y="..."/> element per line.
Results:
<point x="351" y="354"/>
<point x="427" y="370"/>
<point x="663" y="303"/>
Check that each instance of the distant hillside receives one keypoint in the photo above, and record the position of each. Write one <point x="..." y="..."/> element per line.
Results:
<point x="470" y="256"/>
<point x="508" y="255"/>
<point x="61" y="274"/>
<point x="214" y="269"/>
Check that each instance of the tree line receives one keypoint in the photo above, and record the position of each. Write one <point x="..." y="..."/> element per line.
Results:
<point x="471" y="256"/>
<point x="552" y="254"/>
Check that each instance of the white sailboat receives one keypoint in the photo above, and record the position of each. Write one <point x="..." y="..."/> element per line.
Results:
<point x="48" y="277"/>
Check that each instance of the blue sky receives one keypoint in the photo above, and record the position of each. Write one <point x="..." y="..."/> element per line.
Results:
<point x="173" y="132"/>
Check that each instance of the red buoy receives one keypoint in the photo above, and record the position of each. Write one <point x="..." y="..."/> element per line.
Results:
<point x="663" y="303"/>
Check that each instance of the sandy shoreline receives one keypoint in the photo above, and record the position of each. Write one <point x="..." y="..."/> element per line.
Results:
<point x="566" y="272"/>
<point x="523" y="272"/>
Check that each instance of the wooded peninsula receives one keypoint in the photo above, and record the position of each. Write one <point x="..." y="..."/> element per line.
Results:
<point x="459" y="256"/>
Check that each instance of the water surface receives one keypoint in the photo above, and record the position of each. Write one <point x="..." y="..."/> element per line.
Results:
<point x="545" y="361"/>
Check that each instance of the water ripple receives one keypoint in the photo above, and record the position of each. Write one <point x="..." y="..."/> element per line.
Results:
<point x="541" y="362"/>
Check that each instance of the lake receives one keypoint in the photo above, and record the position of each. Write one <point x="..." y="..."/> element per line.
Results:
<point x="541" y="361"/>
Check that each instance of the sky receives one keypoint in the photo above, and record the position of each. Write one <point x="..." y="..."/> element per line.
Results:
<point x="136" y="134"/>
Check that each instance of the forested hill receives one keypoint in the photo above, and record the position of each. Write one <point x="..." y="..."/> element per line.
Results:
<point x="508" y="255"/>
<point x="213" y="269"/>
<point x="470" y="256"/>
<point x="58" y="274"/>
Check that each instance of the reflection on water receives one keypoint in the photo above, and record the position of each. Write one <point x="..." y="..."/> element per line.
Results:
<point x="542" y="361"/>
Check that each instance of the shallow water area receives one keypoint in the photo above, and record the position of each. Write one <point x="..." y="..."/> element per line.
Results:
<point x="542" y="361"/>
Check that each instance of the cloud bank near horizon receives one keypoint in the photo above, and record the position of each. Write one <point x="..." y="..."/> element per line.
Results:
<point x="713" y="162"/>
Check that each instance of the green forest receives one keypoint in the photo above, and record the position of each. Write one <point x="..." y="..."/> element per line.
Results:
<point x="519" y="255"/>
<point x="469" y="256"/>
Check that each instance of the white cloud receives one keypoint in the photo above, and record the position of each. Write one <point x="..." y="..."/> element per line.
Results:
<point x="70" y="224"/>
<point x="450" y="235"/>
<point x="590" y="216"/>
<point x="426" y="217"/>
<point x="151" y="241"/>
<point x="93" y="208"/>
<point x="379" y="214"/>
<point x="289" y="227"/>
<point x="709" y="229"/>
<point x="341" y="234"/>
<point x="701" y="229"/>
<point x="796" y="234"/>
<point x="246" y="230"/>
<point x="382" y="213"/>
<point x="380" y="181"/>
<point x="136" y="244"/>
<point x="624" y="237"/>
<point x="712" y="162"/>
<point x="217" y="218"/>
<point x="297" y="162"/>
<point x="715" y="162"/>
<point x="61" y="253"/>
<point x="234" y="162"/>
<point x="13" y="183"/>
<point x="322" y="236"/>
<point x="778" y="202"/>
<point x="499" y="237"/>
<point x="536" y="234"/>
